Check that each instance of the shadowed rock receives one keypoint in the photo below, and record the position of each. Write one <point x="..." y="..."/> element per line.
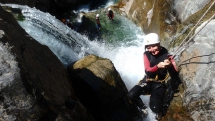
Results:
<point x="100" y="88"/>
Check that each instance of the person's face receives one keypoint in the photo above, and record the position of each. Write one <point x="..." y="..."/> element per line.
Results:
<point x="153" y="49"/>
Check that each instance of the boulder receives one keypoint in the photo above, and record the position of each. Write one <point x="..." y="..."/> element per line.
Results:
<point x="100" y="88"/>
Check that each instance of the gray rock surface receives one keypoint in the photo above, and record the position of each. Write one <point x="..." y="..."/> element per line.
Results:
<point x="198" y="72"/>
<point x="185" y="8"/>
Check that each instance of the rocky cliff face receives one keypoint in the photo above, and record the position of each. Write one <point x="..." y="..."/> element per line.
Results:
<point x="185" y="8"/>
<point x="197" y="70"/>
<point x="34" y="83"/>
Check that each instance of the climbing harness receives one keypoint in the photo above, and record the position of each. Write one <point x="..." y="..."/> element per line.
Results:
<point x="156" y="79"/>
<point x="185" y="43"/>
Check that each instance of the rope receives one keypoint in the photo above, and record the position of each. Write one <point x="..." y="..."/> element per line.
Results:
<point x="197" y="32"/>
<point x="180" y="46"/>
<point x="156" y="79"/>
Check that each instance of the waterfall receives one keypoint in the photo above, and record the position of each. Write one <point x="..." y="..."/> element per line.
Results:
<point x="69" y="46"/>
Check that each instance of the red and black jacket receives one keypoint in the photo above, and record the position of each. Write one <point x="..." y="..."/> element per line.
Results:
<point x="97" y="21"/>
<point x="111" y="14"/>
<point x="151" y="61"/>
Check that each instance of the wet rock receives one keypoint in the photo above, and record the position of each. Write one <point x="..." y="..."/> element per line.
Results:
<point x="34" y="83"/>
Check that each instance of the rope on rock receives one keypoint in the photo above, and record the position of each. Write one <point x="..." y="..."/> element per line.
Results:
<point x="185" y="43"/>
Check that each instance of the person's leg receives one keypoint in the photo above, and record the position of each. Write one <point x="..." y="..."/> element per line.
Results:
<point x="136" y="91"/>
<point x="156" y="100"/>
<point x="134" y="95"/>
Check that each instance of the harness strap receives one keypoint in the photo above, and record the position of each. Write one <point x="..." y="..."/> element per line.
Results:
<point x="156" y="79"/>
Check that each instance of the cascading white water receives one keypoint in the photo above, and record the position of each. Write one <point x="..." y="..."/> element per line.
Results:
<point x="70" y="46"/>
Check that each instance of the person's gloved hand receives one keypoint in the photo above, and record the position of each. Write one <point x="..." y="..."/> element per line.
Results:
<point x="162" y="65"/>
<point x="167" y="62"/>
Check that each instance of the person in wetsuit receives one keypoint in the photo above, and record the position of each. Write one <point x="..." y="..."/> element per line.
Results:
<point x="98" y="25"/>
<point x="158" y="67"/>
<point x="68" y="23"/>
<point x="110" y="14"/>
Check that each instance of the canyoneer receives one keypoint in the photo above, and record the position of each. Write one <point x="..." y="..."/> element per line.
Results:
<point x="98" y="25"/>
<point x="161" y="78"/>
<point x="110" y="14"/>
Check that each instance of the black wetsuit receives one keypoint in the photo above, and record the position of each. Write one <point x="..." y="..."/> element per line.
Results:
<point x="110" y="14"/>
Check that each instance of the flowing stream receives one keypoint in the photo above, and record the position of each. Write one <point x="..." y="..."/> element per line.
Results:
<point x="125" y="50"/>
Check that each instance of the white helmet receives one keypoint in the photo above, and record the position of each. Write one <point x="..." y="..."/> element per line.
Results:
<point x="151" y="38"/>
<point x="97" y="15"/>
<point x="109" y="9"/>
